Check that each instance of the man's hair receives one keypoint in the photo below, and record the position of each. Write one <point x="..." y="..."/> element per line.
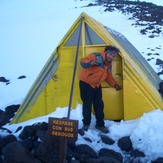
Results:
<point x="111" y="48"/>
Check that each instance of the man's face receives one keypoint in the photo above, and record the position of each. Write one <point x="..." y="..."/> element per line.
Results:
<point x="110" y="56"/>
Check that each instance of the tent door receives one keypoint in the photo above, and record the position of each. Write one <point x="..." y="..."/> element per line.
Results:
<point x="113" y="100"/>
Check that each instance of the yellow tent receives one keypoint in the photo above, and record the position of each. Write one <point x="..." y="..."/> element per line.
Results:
<point x="52" y="87"/>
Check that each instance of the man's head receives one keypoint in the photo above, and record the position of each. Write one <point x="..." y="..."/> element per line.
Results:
<point x="111" y="53"/>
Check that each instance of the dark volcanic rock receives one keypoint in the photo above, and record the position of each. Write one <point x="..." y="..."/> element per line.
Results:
<point x="6" y="115"/>
<point x="136" y="153"/>
<point x="22" y="77"/>
<point x="107" y="140"/>
<point x="15" y="152"/>
<point x="48" y="151"/>
<point x="110" y="153"/>
<point x="125" y="143"/>
<point x="85" y="149"/>
<point x="3" y="79"/>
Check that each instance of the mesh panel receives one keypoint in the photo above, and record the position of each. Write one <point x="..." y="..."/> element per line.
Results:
<point x="91" y="37"/>
<point x="73" y="40"/>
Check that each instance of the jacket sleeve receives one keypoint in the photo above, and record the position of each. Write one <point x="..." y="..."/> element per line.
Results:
<point x="86" y="62"/>
<point x="110" y="79"/>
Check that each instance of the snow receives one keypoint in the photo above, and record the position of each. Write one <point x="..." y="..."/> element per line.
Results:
<point x="145" y="132"/>
<point x="31" y="30"/>
<point x="147" y="135"/>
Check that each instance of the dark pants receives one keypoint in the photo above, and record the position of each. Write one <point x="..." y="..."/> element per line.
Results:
<point x="92" y="96"/>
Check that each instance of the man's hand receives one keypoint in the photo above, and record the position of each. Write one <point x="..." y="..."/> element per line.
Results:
<point x="94" y="62"/>
<point x="117" y="87"/>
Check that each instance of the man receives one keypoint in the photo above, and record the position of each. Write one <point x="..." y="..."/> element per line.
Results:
<point x="96" y="67"/>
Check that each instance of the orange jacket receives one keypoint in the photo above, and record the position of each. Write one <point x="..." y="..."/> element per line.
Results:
<point x="95" y="74"/>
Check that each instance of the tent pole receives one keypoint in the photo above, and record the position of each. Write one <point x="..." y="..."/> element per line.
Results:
<point x="74" y="72"/>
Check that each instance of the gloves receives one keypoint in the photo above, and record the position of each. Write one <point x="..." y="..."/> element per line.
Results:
<point x="117" y="87"/>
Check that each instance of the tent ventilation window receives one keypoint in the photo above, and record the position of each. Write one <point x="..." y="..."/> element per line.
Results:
<point x="73" y="40"/>
<point x="91" y="37"/>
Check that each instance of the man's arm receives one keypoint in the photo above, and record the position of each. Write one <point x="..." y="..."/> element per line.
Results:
<point x="88" y="61"/>
<point x="112" y="81"/>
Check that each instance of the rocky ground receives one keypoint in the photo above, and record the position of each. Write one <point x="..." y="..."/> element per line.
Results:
<point x="35" y="145"/>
